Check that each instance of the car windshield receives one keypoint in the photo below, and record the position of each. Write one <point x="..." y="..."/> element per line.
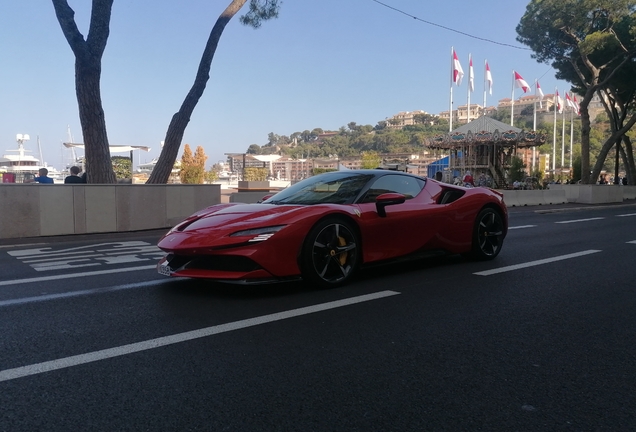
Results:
<point x="338" y="187"/>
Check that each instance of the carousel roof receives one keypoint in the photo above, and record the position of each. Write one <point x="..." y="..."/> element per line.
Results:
<point x="485" y="130"/>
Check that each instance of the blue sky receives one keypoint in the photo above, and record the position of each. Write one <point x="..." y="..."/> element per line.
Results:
<point x="322" y="63"/>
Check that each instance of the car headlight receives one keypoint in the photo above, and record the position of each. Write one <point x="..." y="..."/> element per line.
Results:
<point x="260" y="234"/>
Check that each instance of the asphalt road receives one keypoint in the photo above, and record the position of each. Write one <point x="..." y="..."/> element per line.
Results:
<point x="540" y="339"/>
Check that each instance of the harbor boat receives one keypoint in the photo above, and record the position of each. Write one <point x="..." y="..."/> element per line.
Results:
<point x="19" y="162"/>
<point x="23" y="165"/>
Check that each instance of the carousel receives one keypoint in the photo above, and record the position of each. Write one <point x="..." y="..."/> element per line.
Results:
<point x="485" y="146"/>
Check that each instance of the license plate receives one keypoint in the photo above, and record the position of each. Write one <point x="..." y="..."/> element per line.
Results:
<point x="164" y="269"/>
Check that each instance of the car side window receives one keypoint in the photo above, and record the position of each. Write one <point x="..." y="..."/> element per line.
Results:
<point x="402" y="184"/>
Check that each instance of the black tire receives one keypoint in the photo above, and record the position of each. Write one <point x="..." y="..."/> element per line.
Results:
<point x="330" y="255"/>
<point x="488" y="235"/>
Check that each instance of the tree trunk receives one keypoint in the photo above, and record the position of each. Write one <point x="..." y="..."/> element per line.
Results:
<point x="586" y="127"/>
<point x="609" y="143"/>
<point x="176" y="129"/>
<point x="99" y="167"/>
<point x="628" y="159"/>
<point x="600" y="161"/>
<point x="88" y="57"/>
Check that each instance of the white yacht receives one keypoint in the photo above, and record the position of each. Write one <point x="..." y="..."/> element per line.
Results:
<point x="19" y="162"/>
<point x="23" y="164"/>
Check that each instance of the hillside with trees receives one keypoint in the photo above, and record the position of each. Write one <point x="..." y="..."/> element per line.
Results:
<point x="353" y="139"/>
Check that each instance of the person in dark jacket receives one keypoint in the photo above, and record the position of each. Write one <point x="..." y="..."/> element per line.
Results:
<point x="74" y="177"/>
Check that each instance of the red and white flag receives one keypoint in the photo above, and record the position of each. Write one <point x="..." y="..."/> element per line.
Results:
<point x="471" y="74"/>
<point x="521" y="83"/>
<point x="458" y="72"/>
<point x="558" y="102"/>
<point x="576" y="104"/>
<point x="539" y="92"/>
<point x="569" y="102"/>
<point x="489" y="78"/>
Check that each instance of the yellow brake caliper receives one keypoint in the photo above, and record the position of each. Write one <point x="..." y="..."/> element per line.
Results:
<point x="343" y="256"/>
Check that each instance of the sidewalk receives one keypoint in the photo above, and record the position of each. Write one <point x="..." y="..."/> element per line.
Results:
<point x="568" y="207"/>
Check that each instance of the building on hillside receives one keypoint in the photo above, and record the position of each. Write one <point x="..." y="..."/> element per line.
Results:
<point x="403" y="118"/>
<point x="329" y="134"/>
<point x="526" y="103"/>
<point x="445" y="115"/>
<point x="460" y="115"/>
<point x="462" y="112"/>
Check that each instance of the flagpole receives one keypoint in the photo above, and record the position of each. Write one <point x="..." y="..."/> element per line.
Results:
<point x="563" y="140"/>
<point x="556" y="103"/>
<point x="450" y="109"/>
<point x="485" y="82"/>
<point x="534" y="125"/>
<point x="512" y="99"/>
<point x="571" y="139"/>
<point x="470" y="69"/>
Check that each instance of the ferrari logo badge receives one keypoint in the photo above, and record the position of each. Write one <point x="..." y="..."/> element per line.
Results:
<point x="357" y="212"/>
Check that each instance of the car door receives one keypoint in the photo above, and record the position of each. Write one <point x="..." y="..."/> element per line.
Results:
<point x="405" y="228"/>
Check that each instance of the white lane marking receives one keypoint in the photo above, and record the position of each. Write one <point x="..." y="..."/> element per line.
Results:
<point x="75" y="275"/>
<point x="45" y="297"/>
<point x="521" y="226"/>
<point x="38" y="368"/>
<point x="625" y="215"/>
<point x="580" y="220"/>
<point x="535" y="263"/>
<point x="633" y="242"/>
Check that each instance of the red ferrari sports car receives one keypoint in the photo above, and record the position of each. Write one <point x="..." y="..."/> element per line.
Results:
<point x="324" y="228"/>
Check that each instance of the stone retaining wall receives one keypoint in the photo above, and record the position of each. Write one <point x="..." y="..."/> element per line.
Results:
<point x="34" y="210"/>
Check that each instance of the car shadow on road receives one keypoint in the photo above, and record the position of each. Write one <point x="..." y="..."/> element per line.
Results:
<point x="205" y="289"/>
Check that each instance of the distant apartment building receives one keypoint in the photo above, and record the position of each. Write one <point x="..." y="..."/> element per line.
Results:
<point x="292" y="169"/>
<point x="403" y="118"/>
<point x="460" y="115"/>
<point x="527" y="102"/>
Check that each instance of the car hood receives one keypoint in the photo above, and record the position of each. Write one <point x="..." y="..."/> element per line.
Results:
<point x="238" y="216"/>
<point x="213" y="226"/>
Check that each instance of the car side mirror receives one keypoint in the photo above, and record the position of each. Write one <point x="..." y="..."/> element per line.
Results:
<point x="387" y="199"/>
<point x="266" y="197"/>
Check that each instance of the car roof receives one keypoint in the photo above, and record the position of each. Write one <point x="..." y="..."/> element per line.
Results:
<point x="379" y="172"/>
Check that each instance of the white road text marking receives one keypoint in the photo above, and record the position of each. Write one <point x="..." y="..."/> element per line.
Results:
<point x="49" y="258"/>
